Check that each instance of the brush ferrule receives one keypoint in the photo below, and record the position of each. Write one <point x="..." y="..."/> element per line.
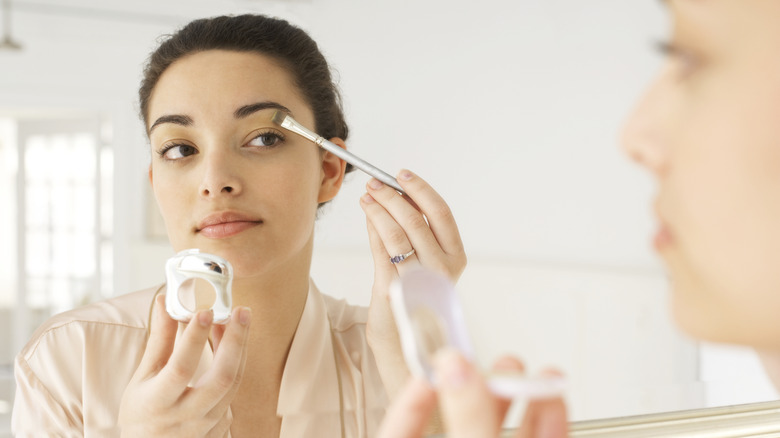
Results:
<point x="293" y="125"/>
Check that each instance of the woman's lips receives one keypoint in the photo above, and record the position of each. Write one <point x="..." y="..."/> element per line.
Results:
<point x="226" y="224"/>
<point x="662" y="238"/>
<point x="226" y="229"/>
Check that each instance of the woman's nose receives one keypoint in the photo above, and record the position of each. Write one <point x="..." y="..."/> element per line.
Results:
<point x="220" y="176"/>
<point x="645" y="136"/>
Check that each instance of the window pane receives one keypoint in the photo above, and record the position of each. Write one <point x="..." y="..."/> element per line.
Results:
<point x="82" y="211"/>
<point x="38" y="206"/>
<point x="38" y="253"/>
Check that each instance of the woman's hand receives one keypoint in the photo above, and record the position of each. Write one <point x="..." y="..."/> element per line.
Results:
<point x="158" y="401"/>
<point x="396" y="225"/>
<point x="468" y="408"/>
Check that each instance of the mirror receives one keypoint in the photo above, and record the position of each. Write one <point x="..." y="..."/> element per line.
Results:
<point x="197" y="294"/>
<point x="511" y="110"/>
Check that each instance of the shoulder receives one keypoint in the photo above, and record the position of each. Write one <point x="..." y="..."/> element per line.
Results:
<point x="125" y="313"/>
<point x="73" y="371"/>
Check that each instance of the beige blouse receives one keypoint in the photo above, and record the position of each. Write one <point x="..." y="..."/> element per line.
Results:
<point x="71" y="375"/>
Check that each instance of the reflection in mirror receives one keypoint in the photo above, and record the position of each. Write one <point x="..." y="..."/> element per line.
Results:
<point x="554" y="220"/>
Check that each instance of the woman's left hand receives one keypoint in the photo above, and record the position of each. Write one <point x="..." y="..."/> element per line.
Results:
<point x="423" y="222"/>
<point x="468" y="407"/>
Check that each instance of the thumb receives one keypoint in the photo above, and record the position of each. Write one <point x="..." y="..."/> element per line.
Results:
<point x="468" y="407"/>
<point x="410" y="411"/>
<point x="162" y="336"/>
<point x="545" y="418"/>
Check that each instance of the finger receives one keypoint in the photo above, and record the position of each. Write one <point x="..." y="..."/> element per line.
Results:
<point x="506" y="364"/>
<point x="410" y="412"/>
<point x="509" y="364"/>
<point x="221" y="381"/>
<point x="468" y="407"/>
<point x="545" y="417"/>
<point x="222" y="428"/>
<point x="217" y="332"/>
<point x="401" y="226"/>
<point x="222" y="407"/>
<point x="162" y="336"/>
<point x="433" y="206"/>
<point x="392" y="237"/>
<point x="384" y="270"/>
<point x="181" y="367"/>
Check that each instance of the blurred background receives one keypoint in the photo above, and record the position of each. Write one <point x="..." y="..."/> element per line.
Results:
<point x="511" y="109"/>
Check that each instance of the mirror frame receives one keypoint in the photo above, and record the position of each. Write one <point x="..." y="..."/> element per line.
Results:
<point x="747" y="420"/>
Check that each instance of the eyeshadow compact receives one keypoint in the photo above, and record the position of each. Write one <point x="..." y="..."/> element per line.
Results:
<point x="197" y="281"/>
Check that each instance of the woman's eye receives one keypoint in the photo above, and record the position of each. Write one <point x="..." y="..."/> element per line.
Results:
<point x="177" y="151"/>
<point x="684" y="61"/>
<point x="268" y="139"/>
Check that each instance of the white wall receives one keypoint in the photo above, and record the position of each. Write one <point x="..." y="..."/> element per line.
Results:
<point x="510" y="108"/>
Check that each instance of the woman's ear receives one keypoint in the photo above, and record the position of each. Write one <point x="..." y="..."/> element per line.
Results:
<point x="333" y="171"/>
<point x="151" y="179"/>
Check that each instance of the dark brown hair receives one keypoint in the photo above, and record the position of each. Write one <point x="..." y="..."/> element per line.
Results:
<point x="291" y="46"/>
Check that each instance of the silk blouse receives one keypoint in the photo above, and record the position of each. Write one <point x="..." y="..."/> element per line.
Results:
<point x="71" y="375"/>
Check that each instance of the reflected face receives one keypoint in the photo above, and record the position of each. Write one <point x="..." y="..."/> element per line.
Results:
<point x="227" y="180"/>
<point x="709" y="131"/>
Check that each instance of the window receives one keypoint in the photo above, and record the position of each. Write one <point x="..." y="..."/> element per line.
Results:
<point x="56" y="177"/>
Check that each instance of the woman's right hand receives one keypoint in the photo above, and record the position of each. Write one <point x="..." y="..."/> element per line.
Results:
<point x="158" y="401"/>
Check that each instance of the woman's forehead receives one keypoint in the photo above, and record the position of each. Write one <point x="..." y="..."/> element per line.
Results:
<point x="224" y="82"/>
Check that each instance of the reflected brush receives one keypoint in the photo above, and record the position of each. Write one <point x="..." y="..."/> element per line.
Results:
<point x="288" y="123"/>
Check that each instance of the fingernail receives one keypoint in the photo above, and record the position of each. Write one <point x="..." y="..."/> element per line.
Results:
<point x="452" y="371"/>
<point x="244" y="315"/>
<point x="406" y="175"/>
<point x="509" y="364"/>
<point x="205" y="318"/>
<point x="375" y="184"/>
<point x="367" y="198"/>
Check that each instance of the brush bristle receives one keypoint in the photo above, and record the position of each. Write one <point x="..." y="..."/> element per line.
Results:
<point x="278" y="117"/>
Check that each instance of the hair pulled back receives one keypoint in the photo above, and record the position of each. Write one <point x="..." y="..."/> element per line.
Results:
<point x="296" y="51"/>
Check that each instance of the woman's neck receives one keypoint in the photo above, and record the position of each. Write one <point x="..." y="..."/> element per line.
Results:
<point x="277" y="298"/>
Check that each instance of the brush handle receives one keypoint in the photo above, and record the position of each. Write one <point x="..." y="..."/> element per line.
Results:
<point x="360" y="163"/>
<point x="287" y="122"/>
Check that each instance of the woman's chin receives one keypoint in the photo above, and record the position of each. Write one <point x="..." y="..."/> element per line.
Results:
<point x="725" y="324"/>
<point x="696" y="320"/>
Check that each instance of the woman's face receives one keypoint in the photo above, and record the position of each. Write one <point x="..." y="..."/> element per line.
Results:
<point x="709" y="131"/>
<point x="228" y="180"/>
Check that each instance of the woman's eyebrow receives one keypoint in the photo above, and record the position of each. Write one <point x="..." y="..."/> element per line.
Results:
<point x="252" y="108"/>
<point x="240" y="113"/>
<point x="176" y="119"/>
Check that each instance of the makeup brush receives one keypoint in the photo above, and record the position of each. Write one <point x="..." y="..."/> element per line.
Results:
<point x="287" y="122"/>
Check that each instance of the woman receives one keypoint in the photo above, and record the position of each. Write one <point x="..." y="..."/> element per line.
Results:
<point x="291" y="361"/>
<point x="708" y="131"/>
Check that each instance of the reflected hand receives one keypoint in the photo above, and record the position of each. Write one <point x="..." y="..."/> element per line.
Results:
<point x="396" y="225"/>
<point x="158" y="401"/>
<point x="468" y="408"/>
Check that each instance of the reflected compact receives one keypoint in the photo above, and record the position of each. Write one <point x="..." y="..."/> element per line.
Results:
<point x="198" y="281"/>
